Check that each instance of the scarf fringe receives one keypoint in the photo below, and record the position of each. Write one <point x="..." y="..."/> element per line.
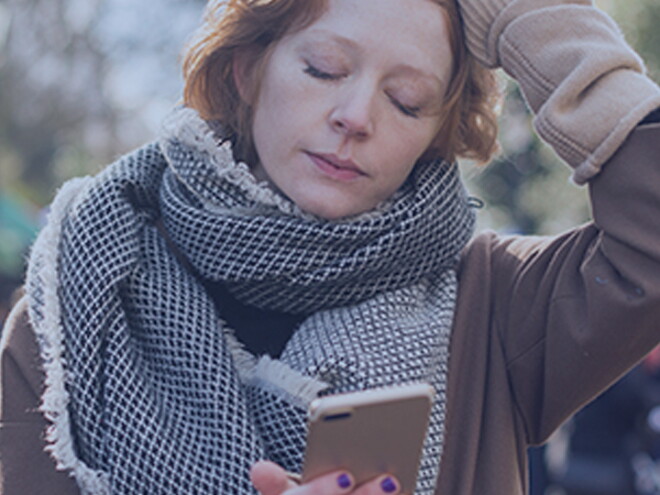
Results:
<point x="186" y="126"/>
<point x="284" y="382"/>
<point x="272" y="375"/>
<point x="42" y="271"/>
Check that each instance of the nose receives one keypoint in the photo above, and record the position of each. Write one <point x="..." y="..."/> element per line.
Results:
<point x="353" y="116"/>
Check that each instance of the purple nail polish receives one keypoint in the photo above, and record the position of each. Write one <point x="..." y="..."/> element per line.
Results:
<point x="344" y="481"/>
<point x="388" y="485"/>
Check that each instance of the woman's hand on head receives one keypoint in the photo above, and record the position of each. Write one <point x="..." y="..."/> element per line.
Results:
<point x="270" y="479"/>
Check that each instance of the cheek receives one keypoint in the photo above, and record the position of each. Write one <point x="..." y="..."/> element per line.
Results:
<point x="272" y="110"/>
<point x="408" y="145"/>
<point x="286" y="107"/>
<point x="413" y="141"/>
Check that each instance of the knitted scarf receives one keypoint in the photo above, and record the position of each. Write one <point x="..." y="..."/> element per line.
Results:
<point x="149" y="391"/>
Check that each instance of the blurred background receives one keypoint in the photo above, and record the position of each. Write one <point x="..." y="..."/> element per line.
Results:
<point x="84" y="81"/>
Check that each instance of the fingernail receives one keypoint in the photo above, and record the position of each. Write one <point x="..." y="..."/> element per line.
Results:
<point x="388" y="485"/>
<point x="344" y="481"/>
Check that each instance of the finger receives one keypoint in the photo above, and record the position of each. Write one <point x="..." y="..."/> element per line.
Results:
<point x="335" y="483"/>
<point x="270" y="479"/>
<point x="383" y="485"/>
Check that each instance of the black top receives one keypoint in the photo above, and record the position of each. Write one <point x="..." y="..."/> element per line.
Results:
<point x="261" y="331"/>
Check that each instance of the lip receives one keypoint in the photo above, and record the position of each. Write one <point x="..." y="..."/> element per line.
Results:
<point x="336" y="168"/>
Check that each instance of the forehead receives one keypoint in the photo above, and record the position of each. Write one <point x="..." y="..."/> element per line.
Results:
<point x="386" y="31"/>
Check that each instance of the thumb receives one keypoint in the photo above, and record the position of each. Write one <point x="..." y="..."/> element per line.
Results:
<point x="269" y="478"/>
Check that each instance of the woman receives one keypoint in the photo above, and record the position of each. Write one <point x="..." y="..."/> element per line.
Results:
<point x="299" y="229"/>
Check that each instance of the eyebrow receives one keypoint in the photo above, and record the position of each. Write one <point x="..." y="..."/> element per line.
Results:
<point x="399" y="68"/>
<point x="336" y="38"/>
<point x="417" y="72"/>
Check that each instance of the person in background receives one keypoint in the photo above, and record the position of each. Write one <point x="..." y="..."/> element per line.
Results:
<point x="613" y="442"/>
<point x="300" y="229"/>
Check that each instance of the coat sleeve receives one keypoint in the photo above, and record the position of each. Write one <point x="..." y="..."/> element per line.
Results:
<point x="25" y="468"/>
<point x="575" y="312"/>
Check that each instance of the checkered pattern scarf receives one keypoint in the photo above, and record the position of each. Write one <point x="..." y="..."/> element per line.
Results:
<point x="149" y="391"/>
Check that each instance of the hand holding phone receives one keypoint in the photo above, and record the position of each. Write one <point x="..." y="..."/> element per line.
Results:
<point x="271" y="479"/>
<point x="369" y="433"/>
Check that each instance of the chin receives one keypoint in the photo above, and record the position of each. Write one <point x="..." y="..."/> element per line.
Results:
<point x="328" y="213"/>
<point x="327" y="210"/>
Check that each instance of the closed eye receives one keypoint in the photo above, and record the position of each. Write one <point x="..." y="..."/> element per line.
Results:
<point x="319" y="74"/>
<point x="409" y="111"/>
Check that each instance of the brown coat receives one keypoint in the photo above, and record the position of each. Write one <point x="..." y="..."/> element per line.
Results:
<point x="542" y="325"/>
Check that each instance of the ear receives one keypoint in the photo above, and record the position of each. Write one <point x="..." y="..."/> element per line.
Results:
<point x="241" y="65"/>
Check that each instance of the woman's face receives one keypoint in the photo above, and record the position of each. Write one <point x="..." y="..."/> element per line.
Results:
<point x="349" y="104"/>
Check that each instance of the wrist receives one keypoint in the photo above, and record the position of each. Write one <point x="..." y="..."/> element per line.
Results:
<point x="485" y="21"/>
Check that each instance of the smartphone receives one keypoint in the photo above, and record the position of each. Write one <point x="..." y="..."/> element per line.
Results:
<point x="369" y="433"/>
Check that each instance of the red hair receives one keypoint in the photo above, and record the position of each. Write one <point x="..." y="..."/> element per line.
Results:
<point x="251" y="28"/>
